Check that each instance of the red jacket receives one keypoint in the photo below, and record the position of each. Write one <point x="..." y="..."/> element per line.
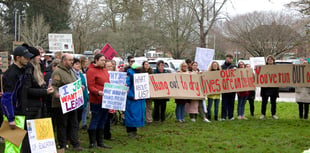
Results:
<point x="96" y="78"/>
<point x="244" y="93"/>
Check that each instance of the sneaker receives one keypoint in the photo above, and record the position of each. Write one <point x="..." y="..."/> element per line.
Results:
<point x="243" y="117"/>
<point x="232" y="119"/>
<point x="180" y="121"/>
<point x="275" y="117"/>
<point x="262" y="117"/>
<point x="183" y="120"/>
<point x="193" y="120"/>
<point x="239" y="117"/>
<point x="222" y="119"/>
<point x="206" y="120"/>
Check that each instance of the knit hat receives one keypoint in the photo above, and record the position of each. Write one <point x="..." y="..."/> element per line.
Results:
<point x="34" y="51"/>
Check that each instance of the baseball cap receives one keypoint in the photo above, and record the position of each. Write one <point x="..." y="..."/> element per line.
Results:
<point x="22" y="51"/>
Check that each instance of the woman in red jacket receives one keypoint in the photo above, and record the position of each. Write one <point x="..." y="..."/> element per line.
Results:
<point x="97" y="76"/>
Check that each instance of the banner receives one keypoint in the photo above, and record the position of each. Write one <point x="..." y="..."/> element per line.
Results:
<point x="175" y="85"/>
<point x="204" y="57"/>
<point x="41" y="136"/>
<point x="71" y="96"/>
<point x="60" y="42"/>
<point x="284" y="75"/>
<point x="5" y="61"/>
<point x="224" y="81"/>
<point x="141" y="85"/>
<point x="108" y="52"/>
<point x="114" y="97"/>
<point x="118" y="78"/>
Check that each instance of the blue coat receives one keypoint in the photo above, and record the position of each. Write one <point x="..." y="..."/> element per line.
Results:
<point x="135" y="109"/>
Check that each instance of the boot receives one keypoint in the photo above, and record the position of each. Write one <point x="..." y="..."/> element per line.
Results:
<point x="99" y="137"/>
<point x="92" y="138"/>
<point x="215" y="118"/>
<point x="209" y="117"/>
<point x="132" y="135"/>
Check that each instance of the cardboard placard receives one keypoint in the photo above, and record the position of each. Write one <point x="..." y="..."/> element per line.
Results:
<point x="71" y="96"/>
<point x="41" y="136"/>
<point x="15" y="136"/>
<point x="4" y="60"/>
<point x="141" y="85"/>
<point x="114" y="96"/>
<point x="108" y="52"/>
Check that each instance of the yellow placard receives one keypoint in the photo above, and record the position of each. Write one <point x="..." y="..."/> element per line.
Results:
<point x="44" y="128"/>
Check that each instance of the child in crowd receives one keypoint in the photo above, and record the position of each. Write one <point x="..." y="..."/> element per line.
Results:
<point x="180" y="103"/>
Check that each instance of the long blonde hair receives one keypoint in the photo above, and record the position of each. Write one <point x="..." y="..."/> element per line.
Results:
<point x="37" y="74"/>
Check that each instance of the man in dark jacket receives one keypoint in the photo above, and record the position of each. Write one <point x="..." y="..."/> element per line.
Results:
<point x="228" y="99"/>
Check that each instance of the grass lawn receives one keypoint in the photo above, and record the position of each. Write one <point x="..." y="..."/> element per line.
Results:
<point x="288" y="134"/>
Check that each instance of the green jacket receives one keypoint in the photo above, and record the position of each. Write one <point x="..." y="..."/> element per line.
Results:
<point x="61" y="76"/>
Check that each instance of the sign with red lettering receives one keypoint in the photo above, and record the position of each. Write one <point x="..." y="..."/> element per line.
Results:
<point x="224" y="81"/>
<point x="175" y="85"/>
<point x="286" y="75"/>
<point x="108" y="52"/>
<point x="71" y="96"/>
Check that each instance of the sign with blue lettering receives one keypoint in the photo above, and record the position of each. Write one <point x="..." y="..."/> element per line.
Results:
<point x="118" y="78"/>
<point x="141" y="84"/>
<point x="71" y="96"/>
<point x="114" y="96"/>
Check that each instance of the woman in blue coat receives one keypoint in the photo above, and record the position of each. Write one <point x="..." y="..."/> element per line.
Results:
<point x="135" y="109"/>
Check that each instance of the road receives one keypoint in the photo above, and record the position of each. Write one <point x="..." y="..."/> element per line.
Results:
<point x="283" y="96"/>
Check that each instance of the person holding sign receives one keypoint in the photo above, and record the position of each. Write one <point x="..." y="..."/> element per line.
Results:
<point x="242" y="96"/>
<point x="303" y="99"/>
<point x="272" y="92"/>
<point x="96" y="77"/>
<point x="251" y="97"/>
<point x="135" y="109"/>
<point x="60" y="77"/>
<point x="214" y="97"/>
<point x="148" y="112"/>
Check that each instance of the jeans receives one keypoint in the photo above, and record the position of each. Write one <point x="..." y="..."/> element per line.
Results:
<point x="273" y="100"/>
<point x="241" y="104"/>
<point x="180" y="111"/>
<point x="216" y="106"/>
<point x="160" y="109"/>
<point x="84" y="116"/>
<point x="98" y="117"/>
<point x="228" y="104"/>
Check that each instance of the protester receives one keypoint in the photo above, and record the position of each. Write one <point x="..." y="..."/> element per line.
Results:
<point x="62" y="76"/>
<point x="12" y="102"/>
<point x="180" y="103"/>
<point x="114" y="67"/>
<point x="97" y="76"/>
<point x="160" y="104"/>
<point x="272" y="92"/>
<point x="228" y="99"/>
<point x="58" y="55"/>
<point x="130" y="60"/>
<point x="47" y="60"/>
<point x="242" y="96"/>
<point x="107" y="126"/>
<point x="83" y="61"/>
<point x="251" y="97"/>
<point x="303" y="99"/>
<point x="214" y="97"/>
<point x="82" y="111"/>
<point x="40" y="49"/>
<point x="135" y="108"/>
<point x="148" y="111"/>
<point x="189" y="63"/>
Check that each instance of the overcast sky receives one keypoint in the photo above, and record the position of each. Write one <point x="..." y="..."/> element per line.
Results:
<point x="246" y="6"/>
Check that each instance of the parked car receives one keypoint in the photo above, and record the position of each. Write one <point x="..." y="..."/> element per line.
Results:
<point x="168" y="66"/>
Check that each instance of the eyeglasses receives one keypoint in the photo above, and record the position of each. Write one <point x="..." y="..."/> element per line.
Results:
<point x="132" y="61"/>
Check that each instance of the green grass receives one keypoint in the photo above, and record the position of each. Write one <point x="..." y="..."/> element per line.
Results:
<point x="288" y="134"/>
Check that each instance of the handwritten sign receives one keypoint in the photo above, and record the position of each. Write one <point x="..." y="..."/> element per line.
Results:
<point x="108" y="52"/>
<point x="41" y="136"/>
<point x="5" y="61"/>
<point x="204" y="57"/>
<point x="141" y="85"/>
<point x="114" y="97"/>
<point x="71" y="96"/>
<point x="60" y="42"/>
<point x="118" y="78"/>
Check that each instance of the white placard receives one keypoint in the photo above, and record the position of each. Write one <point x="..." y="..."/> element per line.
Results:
<point x="204" y="57"/>
<point x="71" y="96"/>
<point x="257" y="61"/>
<point x="41" y="136"/>
<point x="114" y="97"/>
<point x="60" y="42"/>
<point x="141" y="85"/>
<point x="118" y="78"/>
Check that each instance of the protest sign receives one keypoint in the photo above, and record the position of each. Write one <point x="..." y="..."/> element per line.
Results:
<point x="15" y="136"/>
<point x="286" y="75"/>
<point x="60" y="42"/>
<point x="108" y="52"/>
<point x="114" y="96"/>
<point x="5" y="61"/>
<point x="224" y="81"/>
<point x="175" y="85"/>
<point x="71" y="96"/>
<point x="255" y="61"/>
<point x="41" y="136"/>
<point x="17" y="43"/>
<point x="141" y="85"/>
<point x="203" y="57"/>
<point x="118" y="78"/>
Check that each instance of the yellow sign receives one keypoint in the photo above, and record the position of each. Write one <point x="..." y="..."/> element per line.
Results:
<point x="44" y="128"/>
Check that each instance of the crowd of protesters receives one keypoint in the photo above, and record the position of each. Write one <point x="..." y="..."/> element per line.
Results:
<point x="31" y="85"/>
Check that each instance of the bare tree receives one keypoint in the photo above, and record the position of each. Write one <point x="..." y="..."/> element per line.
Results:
<point x="36" y="32"/>
<point x="263" y="33"/>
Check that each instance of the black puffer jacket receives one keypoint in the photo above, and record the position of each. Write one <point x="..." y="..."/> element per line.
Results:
<point x="226" y="66"/>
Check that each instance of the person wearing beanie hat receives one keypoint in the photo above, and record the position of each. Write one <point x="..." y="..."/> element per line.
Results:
<point x="272" y="92"/>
